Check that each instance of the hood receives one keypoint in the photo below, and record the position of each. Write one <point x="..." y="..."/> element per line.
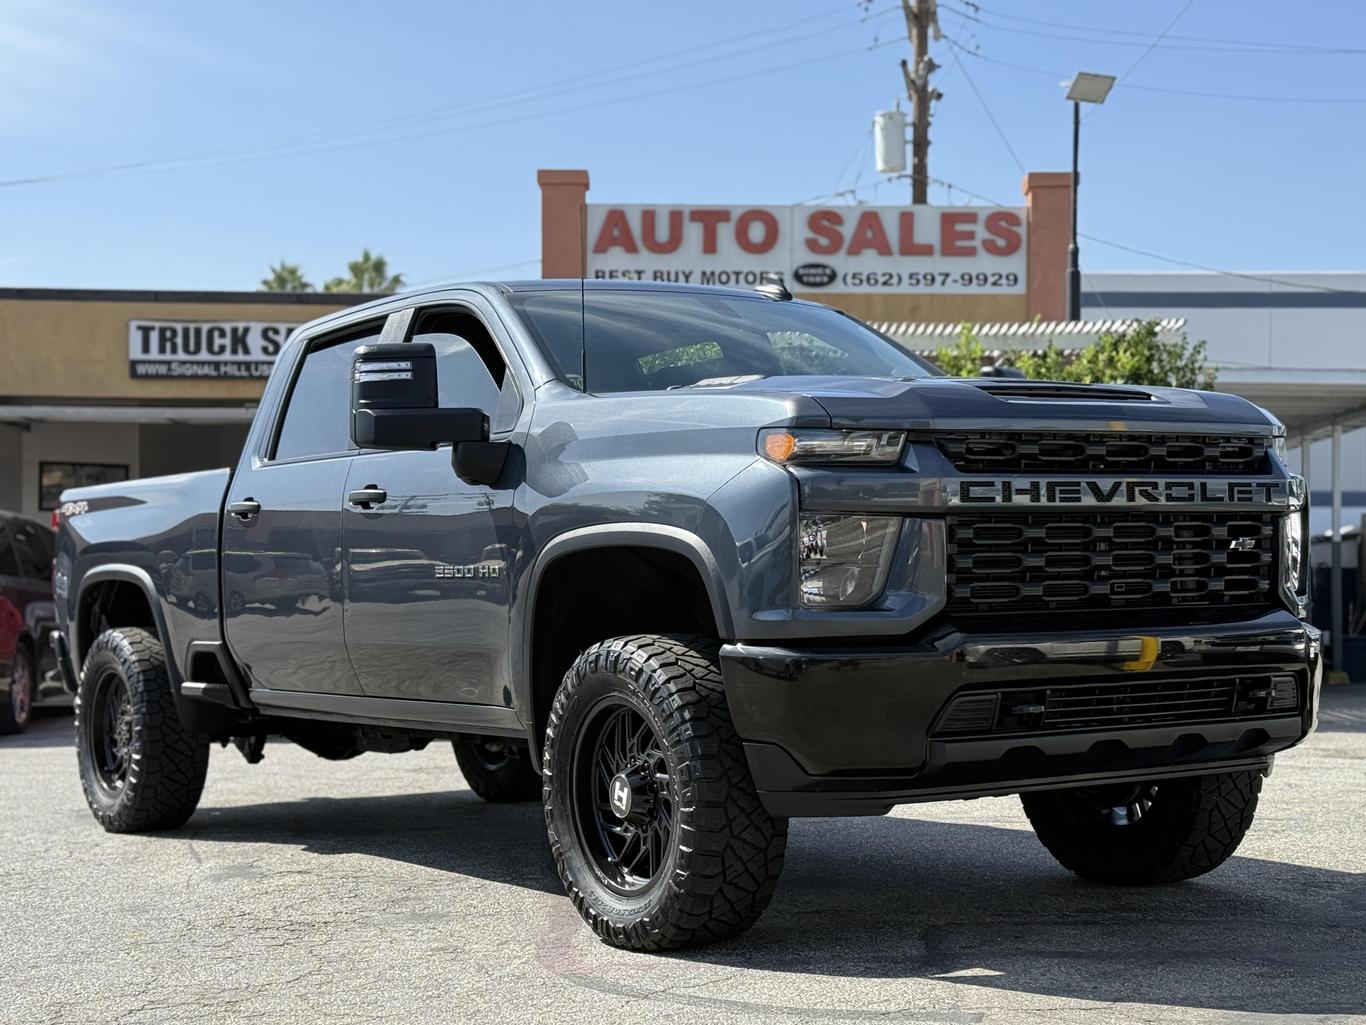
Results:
<point x="1006" y="403"/>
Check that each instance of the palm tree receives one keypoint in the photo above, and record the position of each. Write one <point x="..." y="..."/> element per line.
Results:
<point x="286" y="277"/>
<point x="369" y="274"/>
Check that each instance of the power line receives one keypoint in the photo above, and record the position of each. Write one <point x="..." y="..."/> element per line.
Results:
<point x="290" y="145"/>
<point x="1202" y="94"/>
<point x="1153" y="45"/>
<point x="986" y="108"/>
<point x="1173" y="260"/>
<point x="1217" y="45"/>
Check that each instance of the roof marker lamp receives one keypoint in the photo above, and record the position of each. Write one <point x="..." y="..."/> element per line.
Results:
<point x="803" y="447"/>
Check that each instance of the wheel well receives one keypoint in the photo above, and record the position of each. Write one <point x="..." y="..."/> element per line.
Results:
<point x="108" y="604"/>
<point x="591" y="595"/>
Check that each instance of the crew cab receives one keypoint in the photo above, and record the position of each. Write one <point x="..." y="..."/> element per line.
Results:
<point x="683" y="563"/>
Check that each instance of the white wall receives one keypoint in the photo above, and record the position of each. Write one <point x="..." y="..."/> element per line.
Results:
<point x="72" y="443"/>
<point x="1259" y="323"/>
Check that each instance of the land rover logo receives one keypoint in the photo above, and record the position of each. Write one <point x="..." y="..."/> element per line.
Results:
<point x="619" y="794"/>
<point x="814" y="275"/>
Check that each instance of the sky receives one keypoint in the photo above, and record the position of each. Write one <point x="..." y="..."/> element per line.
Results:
<point x="172" y="145"/>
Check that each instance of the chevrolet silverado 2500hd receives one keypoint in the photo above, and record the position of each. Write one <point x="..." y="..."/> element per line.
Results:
<point x="683" y="563"/>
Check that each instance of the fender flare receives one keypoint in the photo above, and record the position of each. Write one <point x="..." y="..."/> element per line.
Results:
<point x="612" y="535"/>
<point x="140" y="578"/>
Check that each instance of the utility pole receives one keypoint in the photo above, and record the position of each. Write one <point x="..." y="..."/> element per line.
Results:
<point x="922" y="18"/>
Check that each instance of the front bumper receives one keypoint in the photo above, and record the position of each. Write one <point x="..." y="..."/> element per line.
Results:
<point x="849" y="730"/>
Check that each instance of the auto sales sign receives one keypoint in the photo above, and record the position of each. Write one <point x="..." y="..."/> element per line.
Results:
<point x="198" y="348"/>
<point x="927" y="249"/>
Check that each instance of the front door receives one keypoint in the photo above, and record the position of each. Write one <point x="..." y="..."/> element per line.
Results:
<point x="282" y="534"/>
<point x="428" y="556"/>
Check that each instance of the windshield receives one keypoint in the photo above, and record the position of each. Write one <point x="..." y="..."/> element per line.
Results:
<point x="651" y="341"/>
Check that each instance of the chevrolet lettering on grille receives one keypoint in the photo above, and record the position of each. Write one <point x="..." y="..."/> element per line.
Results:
<point x="1121" y="491"/>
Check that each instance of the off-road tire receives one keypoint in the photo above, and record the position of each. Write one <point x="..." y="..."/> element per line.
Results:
<point x="13" y="717"/>
<point x="501" y="780"/>
<point x="726" y="852"/>
<point x="1192" y="826"/>
<point x="166" y="764"/>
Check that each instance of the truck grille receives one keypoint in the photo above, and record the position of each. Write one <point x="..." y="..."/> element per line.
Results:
<point x="1110" y="454"/>
<point x="1135" y="701"/>
<point x="1055" y="562"/>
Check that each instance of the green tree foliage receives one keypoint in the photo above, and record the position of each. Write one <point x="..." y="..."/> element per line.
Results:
<point x="965" y="357"/>
<point x="1135" y="356"/>
<point x="286" y="277"/>
<point x="369" y="274"/>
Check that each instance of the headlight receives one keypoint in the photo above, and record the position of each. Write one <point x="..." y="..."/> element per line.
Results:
<point x="1292" y="552"/>
<point x="844" y="559"/>
<point x="800" y="445"/>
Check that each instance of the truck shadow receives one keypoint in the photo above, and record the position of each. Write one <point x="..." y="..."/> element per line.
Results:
<point x="976" y="905"/>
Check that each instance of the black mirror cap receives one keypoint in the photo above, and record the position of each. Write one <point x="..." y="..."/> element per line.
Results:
<point x="394" y="376"/>
<point x="417" y="428"/>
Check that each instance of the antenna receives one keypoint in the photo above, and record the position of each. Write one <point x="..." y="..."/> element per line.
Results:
<point x="583" y="335"/>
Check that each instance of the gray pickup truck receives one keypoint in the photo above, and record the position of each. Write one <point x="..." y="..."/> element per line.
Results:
<point x="684" y="563"/>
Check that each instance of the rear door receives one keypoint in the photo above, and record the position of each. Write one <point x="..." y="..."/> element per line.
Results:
<point x="282" y="531"/>
<point x="428" y="567"/>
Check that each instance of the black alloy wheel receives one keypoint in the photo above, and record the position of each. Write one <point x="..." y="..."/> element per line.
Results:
<point x="109" y="727"/>
<point x="624" y="808"/>
<point x="140" y="768"/>
<point x="655" y="825"/>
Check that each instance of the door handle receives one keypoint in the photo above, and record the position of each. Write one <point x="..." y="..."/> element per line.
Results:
<point x="245" y="509"/>
<point x="367" y="496"/>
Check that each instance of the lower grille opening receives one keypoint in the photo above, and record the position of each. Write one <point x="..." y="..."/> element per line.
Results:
<point x="1144" y="701"/>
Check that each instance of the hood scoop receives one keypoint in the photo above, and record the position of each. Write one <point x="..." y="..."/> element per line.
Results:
<point x="1062" y="391"/>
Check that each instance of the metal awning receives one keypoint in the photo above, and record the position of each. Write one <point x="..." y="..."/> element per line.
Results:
<point x="1308" y="402"/>
<point x="55" y="413"/>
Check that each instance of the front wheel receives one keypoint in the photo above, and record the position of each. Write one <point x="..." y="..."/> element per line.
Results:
<point x="1138" y="834"/>
<point x="654" y="822"/>
<point x="140" y="768"/>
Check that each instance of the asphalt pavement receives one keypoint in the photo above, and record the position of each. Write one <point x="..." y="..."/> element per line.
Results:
<point x="383" y="890"/>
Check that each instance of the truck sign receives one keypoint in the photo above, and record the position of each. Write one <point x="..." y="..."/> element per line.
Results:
<point x="196" y="348"/>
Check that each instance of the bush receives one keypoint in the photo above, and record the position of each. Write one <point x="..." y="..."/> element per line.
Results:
<point x="1135" y="356"/>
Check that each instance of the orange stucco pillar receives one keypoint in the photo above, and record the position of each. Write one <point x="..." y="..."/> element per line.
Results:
<point x="1048" y="199"/>
<point x="564" y="198"/>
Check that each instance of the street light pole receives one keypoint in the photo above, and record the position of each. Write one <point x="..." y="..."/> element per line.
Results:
<point x="1084" y="88"/>
<point x="1073" y="254"/>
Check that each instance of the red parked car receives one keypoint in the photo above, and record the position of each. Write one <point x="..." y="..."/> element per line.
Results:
<point x="27" y="618"/>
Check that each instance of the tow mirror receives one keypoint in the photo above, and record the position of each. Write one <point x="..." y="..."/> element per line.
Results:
<point x="394" y="406"/>
<point x="394" y="402"/>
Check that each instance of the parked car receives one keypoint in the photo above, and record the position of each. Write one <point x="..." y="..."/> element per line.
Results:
<point x="28" y="616"/>
<point x="684" y="563"/>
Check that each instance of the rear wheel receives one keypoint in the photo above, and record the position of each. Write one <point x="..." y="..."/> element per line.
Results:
<point x="1138" y="834"/>
<point x="654" y="822"/>
<point x="16" y="712"/>
<point x="140" y="768"/>
<point x="497" y="770"/>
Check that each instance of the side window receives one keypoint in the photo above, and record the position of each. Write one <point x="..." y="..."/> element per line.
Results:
<point x="470" y="371"/>
<point x="319" y="405"/>
<point x="33" y="546"/>
<point x="8" y="567"/>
